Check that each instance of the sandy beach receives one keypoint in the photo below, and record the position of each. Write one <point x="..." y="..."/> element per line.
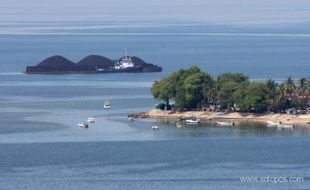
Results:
<point x="235" y="116"/>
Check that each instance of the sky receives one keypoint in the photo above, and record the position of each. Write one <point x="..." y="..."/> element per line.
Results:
<point x="202" y="11"/>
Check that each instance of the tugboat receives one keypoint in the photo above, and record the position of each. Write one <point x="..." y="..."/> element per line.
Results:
<point x="106" y="105"/>
<point x="127" y="64"/>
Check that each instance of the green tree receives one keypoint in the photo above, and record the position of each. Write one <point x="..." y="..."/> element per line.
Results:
<point x="303" y="86"/>
<point x="164" y="90"/>
<point x="193" y="86"/>
<point x="231" y="77"/>
<point x="288" y="87"/>
<point x="209" y="89"/>
<point x="272" y="94"/>
<point x="256" y="97"/>
<point x="225" y="94"/>
<point x="180" y="99"/>
<point x="282" y="102"/>
<point x="227" y="83"/>
<point x="239" y="96"/>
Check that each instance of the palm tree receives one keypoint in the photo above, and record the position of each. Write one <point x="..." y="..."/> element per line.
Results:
<point x="272" y="92"/>
<point x="303" y="86"/>
<point x="208" y="89"/>
<point x="281" y="98"/>
<point x="288" y="87"/>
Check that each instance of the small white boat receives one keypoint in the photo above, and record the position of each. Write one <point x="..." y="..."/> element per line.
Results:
<point x="280" y="125"/>
<point x="192" y="121"/>
<point x="272" y="124"/>
<point x="155" y="127"/>
<point x="107" y="104"/>
<point x="91" y="120"/>
<point x="130" y="118"/>
<point x="286" y="126"/>
<point x="83" y="125"/>
<point x="222" y="123"/>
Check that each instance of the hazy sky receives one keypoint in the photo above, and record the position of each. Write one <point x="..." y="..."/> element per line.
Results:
<point x="207" y="11"/>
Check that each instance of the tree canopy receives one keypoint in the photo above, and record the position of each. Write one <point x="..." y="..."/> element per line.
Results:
<point x="192" y="89"/>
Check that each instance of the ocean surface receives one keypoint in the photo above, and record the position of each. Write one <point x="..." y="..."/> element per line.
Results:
<point x="41" y="146"/>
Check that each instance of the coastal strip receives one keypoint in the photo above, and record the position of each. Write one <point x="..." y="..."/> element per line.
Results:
<point x="218" y="116"/>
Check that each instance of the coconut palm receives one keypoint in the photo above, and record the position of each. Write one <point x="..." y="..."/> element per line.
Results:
<point x="288" y="87"/>
<point x="272" y="92"/>
<point x="208" y="89"/>
<point x="303" y="86"/>
<point x="281" y="98"/>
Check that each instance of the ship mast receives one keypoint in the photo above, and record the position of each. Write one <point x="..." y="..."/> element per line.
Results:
<point x="126" y="55"/>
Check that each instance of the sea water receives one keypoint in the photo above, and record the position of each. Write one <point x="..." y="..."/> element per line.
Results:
<point x="41" y="146"/>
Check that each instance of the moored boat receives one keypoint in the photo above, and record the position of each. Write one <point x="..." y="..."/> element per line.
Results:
<point x="272" y="124"/>
<point x="130" y="118"/>
<point x="222" y="123"/>
<point x="83" y="125"/>
<point x="107" y="104"/>
<point x="155" y="127"/>
<point x="91" y="120"/>
<point x="280" y="125"/>
<point x="286" y="126"/>
<point x="192" y="120"/>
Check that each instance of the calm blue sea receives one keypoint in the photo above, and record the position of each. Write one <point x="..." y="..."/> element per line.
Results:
<point x="41" y="146"/>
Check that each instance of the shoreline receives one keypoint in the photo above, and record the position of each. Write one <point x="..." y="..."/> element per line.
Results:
<point x="218" y="116"/>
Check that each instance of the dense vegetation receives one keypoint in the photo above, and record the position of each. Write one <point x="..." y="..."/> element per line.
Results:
<point x="192" y="89"/>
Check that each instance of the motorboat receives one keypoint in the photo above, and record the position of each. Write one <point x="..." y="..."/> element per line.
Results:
<point x="192" y="120"/>
<point x="83" y="125"/>
<point x="91" y="120"/>
<point x="107" y="104"/>
<point x="155" y="127"/>
<point x="130" y="118"/>
<point x="222" y="123"/>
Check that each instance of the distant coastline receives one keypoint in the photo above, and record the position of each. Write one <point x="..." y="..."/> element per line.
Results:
<point x="92" y="64"/>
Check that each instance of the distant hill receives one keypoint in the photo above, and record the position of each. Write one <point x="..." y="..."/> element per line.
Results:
<point x="91" y="64"/>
